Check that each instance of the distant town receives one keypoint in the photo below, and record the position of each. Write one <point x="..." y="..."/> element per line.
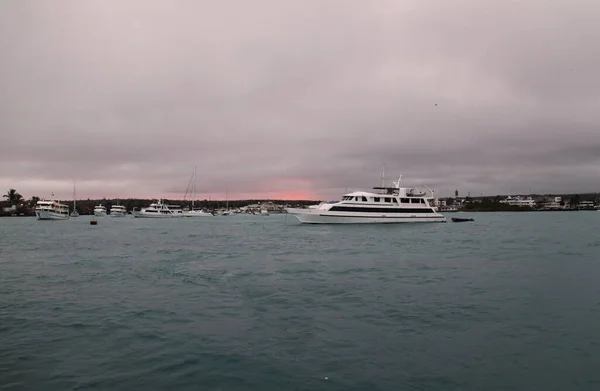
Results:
<point x="14" y="204"/>
<point x="521" y="203"/>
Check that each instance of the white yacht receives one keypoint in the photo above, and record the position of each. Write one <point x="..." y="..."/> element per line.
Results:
<point x="51" y="210"/>
<point x="159" y="210"/>
<point x="198" y="213"/>
<point x="118" y="211"/>
<point x="385" y="205"/>
<point x="99" y="210"/>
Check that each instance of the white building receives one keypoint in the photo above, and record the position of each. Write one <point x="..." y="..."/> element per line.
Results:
<point x="586" y="205"/>
<point x="519" y="201"/>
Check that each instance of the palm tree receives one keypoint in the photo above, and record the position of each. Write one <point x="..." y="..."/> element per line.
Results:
<point x="33" y="201"/>
<point x="13" y="197"/>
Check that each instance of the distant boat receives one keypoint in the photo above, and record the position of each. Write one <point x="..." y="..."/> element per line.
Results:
<point x="159" y="210"/>
<point x="118" y="211"/>
<point x="100" y="210"/>
<point x="225" y="212"/>
<point x="75" y="213"/>
<point x="51" y="210"/>
<point x="195" y="212"/>
<point x="460" y="219"/>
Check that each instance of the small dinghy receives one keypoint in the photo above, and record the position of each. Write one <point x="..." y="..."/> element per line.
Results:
<point x="460" y="219"/>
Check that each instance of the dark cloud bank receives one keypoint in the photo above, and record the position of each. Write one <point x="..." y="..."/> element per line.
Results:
<point x="272" y="98"/>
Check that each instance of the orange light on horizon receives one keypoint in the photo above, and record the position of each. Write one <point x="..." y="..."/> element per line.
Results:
<point x="294" y="195"/>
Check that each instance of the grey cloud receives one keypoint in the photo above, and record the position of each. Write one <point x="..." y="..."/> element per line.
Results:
<point x="492" y="97"/>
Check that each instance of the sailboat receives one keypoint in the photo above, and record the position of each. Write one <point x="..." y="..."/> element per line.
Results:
<point x="75" y="213"/>
<point x="226" y="212"/>
<point x="195" y="212"/>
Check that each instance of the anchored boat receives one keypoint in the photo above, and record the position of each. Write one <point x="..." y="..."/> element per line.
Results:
<point x="159" y="210"/>
<point x="118" y="211"/>
<point x="51" y="210"/>
<point x="394" y="204"/>
<point x="100" y="210"/>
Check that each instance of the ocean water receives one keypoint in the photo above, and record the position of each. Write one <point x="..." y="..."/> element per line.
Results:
<point x="507" y="302"/>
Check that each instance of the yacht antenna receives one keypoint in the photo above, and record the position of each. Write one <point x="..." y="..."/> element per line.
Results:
<point x="383" y="175"/>
<point x="432" y="192"/>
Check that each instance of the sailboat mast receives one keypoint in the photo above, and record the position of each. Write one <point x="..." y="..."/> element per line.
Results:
<point x="194" y="188"/>
<point x="74" y="196"/>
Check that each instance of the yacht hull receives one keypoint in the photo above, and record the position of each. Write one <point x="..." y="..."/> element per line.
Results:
<point x="314" y="216"/>
<point x="158" y="216"/>
<point x="198" y="214"/>
<point x="49" y="215"/>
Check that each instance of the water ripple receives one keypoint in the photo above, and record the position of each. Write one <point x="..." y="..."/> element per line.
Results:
<point x="248" y="302"/>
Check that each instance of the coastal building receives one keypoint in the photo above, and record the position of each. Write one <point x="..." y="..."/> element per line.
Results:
<point x="11" y="209"/>
<point x="448" y="208"/>
<point x="586" y="205"/>
<point x="519" y="201"/>
<point x="556" y="204"/>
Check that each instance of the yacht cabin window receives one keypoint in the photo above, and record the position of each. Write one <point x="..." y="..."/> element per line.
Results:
<point x="364" y="199"/>
<point x="388" y="199"/>
<point x="376" y="199"/>
<point x="405" y="200"/>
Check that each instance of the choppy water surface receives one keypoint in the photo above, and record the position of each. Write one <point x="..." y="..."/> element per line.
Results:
<point x="508" y="302"/>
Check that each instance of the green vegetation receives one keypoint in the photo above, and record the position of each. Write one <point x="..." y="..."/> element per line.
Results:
<point x="13" y="197"/>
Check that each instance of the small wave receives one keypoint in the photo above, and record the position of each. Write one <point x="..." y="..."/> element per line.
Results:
<point x="76" y="325"/>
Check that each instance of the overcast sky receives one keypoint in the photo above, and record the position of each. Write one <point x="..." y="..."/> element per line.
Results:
<point x="298" y="99"/>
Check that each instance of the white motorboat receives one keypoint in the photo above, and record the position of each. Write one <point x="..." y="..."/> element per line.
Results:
<point x="118" y="211"/>
<point x="51" y="210"/>
<point x="159" y="210"/>
<point x="197" y="213"/>
<point x="100" y="210"/>
<point x="385" y="205"/>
